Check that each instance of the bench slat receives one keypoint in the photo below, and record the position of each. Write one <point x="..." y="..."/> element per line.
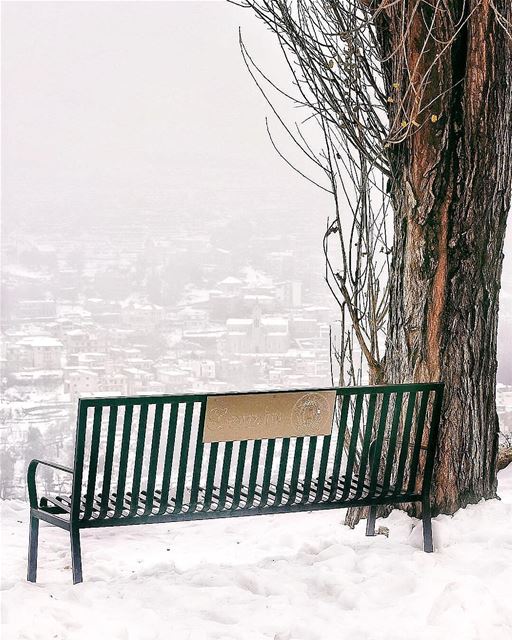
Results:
<point x="267" y="472"/>
<point x="123" y="460"/>
<point x="185" y="443"/>
<point x="390" y="453"/>
<point x="308" y="475"/>
<point x="59" y="503"/>
<point x="242" y="450"/>
<point x="139" y="456"/>
<point x="226" y="466"/>
<point x="299" y="444"/>
<point x="322" y="470"/>
<point x="367" y="436"/>
<point x="165" y="507"/>
<point x="352" y="447"/>
<point x="253" y="474"/>
<point x="340" y="442"/>
<point x="169" y="455"/>
<point x="93" y="462"/>
<point x="109" y="460"/>
<point x="404" y="451"/>
<point x="283" y="463"/>
<point x="377" y="451"/>
<point x="153" y="458"/>
<point x="198" y="461"/>
<point x="420" y="423"/>
<point x="212" y="463"/>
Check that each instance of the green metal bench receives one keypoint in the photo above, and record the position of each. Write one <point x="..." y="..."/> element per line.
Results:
<point x="168" y="458"/>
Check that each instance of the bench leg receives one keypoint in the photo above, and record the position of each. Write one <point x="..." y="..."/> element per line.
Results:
<point x="370" y="523"/>
<point x="32" y="549"/>
<point x="428" y="545"/>
<point x="76" y="556"/>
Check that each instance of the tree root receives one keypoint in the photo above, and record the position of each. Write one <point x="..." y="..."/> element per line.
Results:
<point x="504" y="457"/>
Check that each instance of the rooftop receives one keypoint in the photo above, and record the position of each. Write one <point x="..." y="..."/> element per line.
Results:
<point x="39" y="341"/>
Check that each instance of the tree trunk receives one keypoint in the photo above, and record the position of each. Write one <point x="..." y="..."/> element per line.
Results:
<point x="451" y="196"/>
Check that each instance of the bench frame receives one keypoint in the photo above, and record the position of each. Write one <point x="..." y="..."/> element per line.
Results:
<point x="50" y="512"/>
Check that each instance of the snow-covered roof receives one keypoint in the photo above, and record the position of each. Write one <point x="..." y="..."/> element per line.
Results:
<point x="39" y="341"/>
<point x="274" y="321"/>
<point x="230" y="280"/>
<point x="37" y="374"/>
<point x="136" y="372"/>
<point x="83" y="372"/>
<point x="172" y="372"/>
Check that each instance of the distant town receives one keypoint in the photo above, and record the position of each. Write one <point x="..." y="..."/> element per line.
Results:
<point x="168" y="312"/>
<point x="173" y="313"/>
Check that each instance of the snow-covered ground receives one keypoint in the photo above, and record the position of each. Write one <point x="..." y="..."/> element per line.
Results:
<point x="283" y="577"/>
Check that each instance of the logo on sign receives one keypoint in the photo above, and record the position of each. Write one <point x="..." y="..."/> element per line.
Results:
<point x="309" y="413"/>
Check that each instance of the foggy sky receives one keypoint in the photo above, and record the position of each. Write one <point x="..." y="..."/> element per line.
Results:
<point x="131" y="106"/>
<point x="112" y="103"/>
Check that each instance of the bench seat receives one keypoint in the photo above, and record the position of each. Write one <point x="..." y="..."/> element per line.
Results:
<point x="310" y="495"/>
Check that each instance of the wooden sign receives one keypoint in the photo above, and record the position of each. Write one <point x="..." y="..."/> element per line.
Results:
<point x="255" y="416"/>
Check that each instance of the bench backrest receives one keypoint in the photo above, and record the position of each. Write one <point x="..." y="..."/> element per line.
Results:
<point x="150" y="455"/>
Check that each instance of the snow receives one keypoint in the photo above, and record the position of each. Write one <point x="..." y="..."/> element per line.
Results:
<point x="230" y="280"/>
<point x="282" y="577"/>
<point x="39" y="341"/>
<point x="274" y="321"/>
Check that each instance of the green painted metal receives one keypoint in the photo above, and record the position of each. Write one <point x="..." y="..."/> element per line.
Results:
<point x="267" y="473"/>
<point x="367" y="437"/>
<point x="342" y="430"/>
<point x="283" y="463"/>
<point x="169" y="456"/>
<point x="93" y="463"/>
<point x="404" y="444"/>
<point x="391" y="448"/>
<point x="224" y="482"/>
<point x="322" y="470"/>
<point x="237" y="490"/>
<point x="139" y="456"/>
<point x="123" y="462"/>
<point x="308" y="474"/>
<point x="109" y="460"/>
<point x="371" y="457"/>
<point x="153" y="459"/>
<point x="198" y="461"/>
<point x="185" y="442"/>
<point x="379" y="441"/>
<point x="299" y="444"/>
<point x="210" y="478"/>
<point x="351" y="456"/>
<point x="253" y="474"/>
<point x="420" y="423"/>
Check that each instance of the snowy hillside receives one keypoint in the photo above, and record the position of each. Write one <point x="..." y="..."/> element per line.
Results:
<point x="282" y="577"/>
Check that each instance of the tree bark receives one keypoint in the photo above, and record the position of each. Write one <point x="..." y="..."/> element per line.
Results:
<point x="451" y="195"/>
<point x="504" y="458"/>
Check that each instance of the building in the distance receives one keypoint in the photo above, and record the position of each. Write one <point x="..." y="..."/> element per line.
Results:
<point x="35" y="352"/>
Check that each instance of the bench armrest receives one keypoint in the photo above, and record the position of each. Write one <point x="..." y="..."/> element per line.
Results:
<point x="31" y="478"/>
